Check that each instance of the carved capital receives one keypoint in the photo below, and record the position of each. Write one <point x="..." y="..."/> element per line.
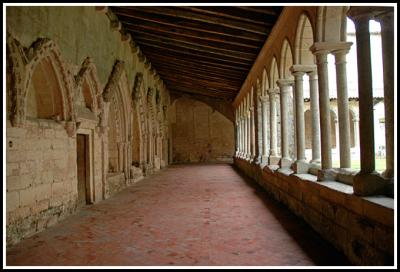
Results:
<point x="70" y="127"/>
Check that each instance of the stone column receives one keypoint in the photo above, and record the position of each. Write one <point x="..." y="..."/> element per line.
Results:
<point x="336" y="121"/>
<point x="273" y="158"/>
<point x="264" y="101"/>
<point x="284" y="86"/>
<point x="248" y="121"/>
<point x="243" y="132"/>
<point x="246" y="131"/>
<point x="240" y="132"/>
<point x="321" y="53"/>
<point x="367" y="181"/>
<point x="253" y="134"/>
<point x="237" y="132"/>
<point x="356" y="133"/>
<point x="300" y="166"/>
<point x="316" y="153"/>
<point x="365" y="92"/>
<point x="343" y="104"/>
<point x="386" y="21"/>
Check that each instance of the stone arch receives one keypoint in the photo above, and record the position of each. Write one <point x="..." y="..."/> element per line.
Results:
<point x="117" y="95"/>
<point x="265" y="82"/>
<point x="286" y="60"/>
<point x="274" y="73"/>
<point x="303" y="41"/>
<point x="331" y="24"/>
<point x="40" y="84"/>
<point x="87" y="86"/>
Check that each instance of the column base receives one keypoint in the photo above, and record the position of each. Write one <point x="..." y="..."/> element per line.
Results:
<point x="300" y="167"/>
<point x="370" y="184"/>
<point x="344" y="175"/>
<point x="264" y="159"/>
<point x="326" y="174"/>
<point x="285" y="163"/>
<point x="257" y="160"/>
<point x="388" y="174"/>
<point x="315" y="162"/>
<point x="273" y="160"/>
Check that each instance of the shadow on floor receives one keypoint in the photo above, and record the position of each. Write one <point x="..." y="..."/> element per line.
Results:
<point x="307" y="238"/>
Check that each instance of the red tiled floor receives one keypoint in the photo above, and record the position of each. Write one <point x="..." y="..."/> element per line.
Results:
<point x="184" y="215"/>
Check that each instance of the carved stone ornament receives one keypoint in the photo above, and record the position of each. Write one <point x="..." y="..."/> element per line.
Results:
<point x="88" y="72"/>
<point x="112" y="83"/>
<point x="136" y="95"/>
<point x="22" y="64"/>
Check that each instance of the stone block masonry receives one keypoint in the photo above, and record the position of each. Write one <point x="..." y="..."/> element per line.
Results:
<point x="361" y="227"/>
<point x="38" y="181"/>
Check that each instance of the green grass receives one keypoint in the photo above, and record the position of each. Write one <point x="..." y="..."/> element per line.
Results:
<point x="380" y="164"/>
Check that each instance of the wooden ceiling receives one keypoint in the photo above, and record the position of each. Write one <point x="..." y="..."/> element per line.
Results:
<point x="200" y="50"/>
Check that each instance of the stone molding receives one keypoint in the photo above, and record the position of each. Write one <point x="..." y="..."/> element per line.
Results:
<point x="113" y="80"/>
<point x="88" y="71"/>
<point x="22" y="64"/>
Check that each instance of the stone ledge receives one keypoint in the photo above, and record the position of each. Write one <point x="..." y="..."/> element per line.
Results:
<point x="285" y="171"/>
<point x="360" y="227"/>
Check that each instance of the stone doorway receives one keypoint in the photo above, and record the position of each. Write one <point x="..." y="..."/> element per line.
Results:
<point x="83" y="166"/>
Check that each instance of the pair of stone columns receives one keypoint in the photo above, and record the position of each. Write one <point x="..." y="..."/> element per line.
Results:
<point x="285" y="86"/>
<point x="300" y="165"/>
<point x="339" y="50"/>
<point x="273" y="158"/>
<point x="248" y="128"/>
<point x="367" y="181"/>
<point x="264" y="118"/>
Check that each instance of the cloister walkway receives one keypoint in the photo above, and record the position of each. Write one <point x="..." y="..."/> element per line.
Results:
<point x="200" y="214"/>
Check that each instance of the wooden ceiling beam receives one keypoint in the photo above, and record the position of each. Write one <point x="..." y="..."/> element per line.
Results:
<point x="167" y="72"/>
<point x="202" y="56"/>
<point x="196" y="67"/>
<point x="189" y="82"/>
<point x="171" y="57"/>
<point x="185" y="24"/>
<point x="197" y="71"/>
<point x="232" y="13"/>
<point x="193" y="16"/>
<point x="188" y="85"/>
<point x="195" y="94"/>
<point x="168" y="37"/>
<point x="201" y="92"/>
<point x="272" y="11"/>
<point x="182" y="31"/>
<point x="144" y="29"/>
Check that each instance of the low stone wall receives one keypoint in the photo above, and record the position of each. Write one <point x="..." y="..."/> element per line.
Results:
<point x="360" y="227"/>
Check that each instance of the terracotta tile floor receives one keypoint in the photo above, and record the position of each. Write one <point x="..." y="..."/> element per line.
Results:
<point x="202" y="215"/>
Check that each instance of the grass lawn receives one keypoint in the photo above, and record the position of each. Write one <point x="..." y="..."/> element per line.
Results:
<point x="380" y="164"/>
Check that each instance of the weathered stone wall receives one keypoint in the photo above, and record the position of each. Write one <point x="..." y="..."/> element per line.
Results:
<point x="41" y="177"/>
<point x="361" y="227"/>
<point x="84" y="63"/>
<point x="199" y="133"/>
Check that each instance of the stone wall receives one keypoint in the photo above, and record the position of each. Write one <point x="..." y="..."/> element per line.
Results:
<point x="41" y="177"/>
<point x="361" y="227"/>
<point x="200" y="134"/>
<point x="71" y="63"/>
